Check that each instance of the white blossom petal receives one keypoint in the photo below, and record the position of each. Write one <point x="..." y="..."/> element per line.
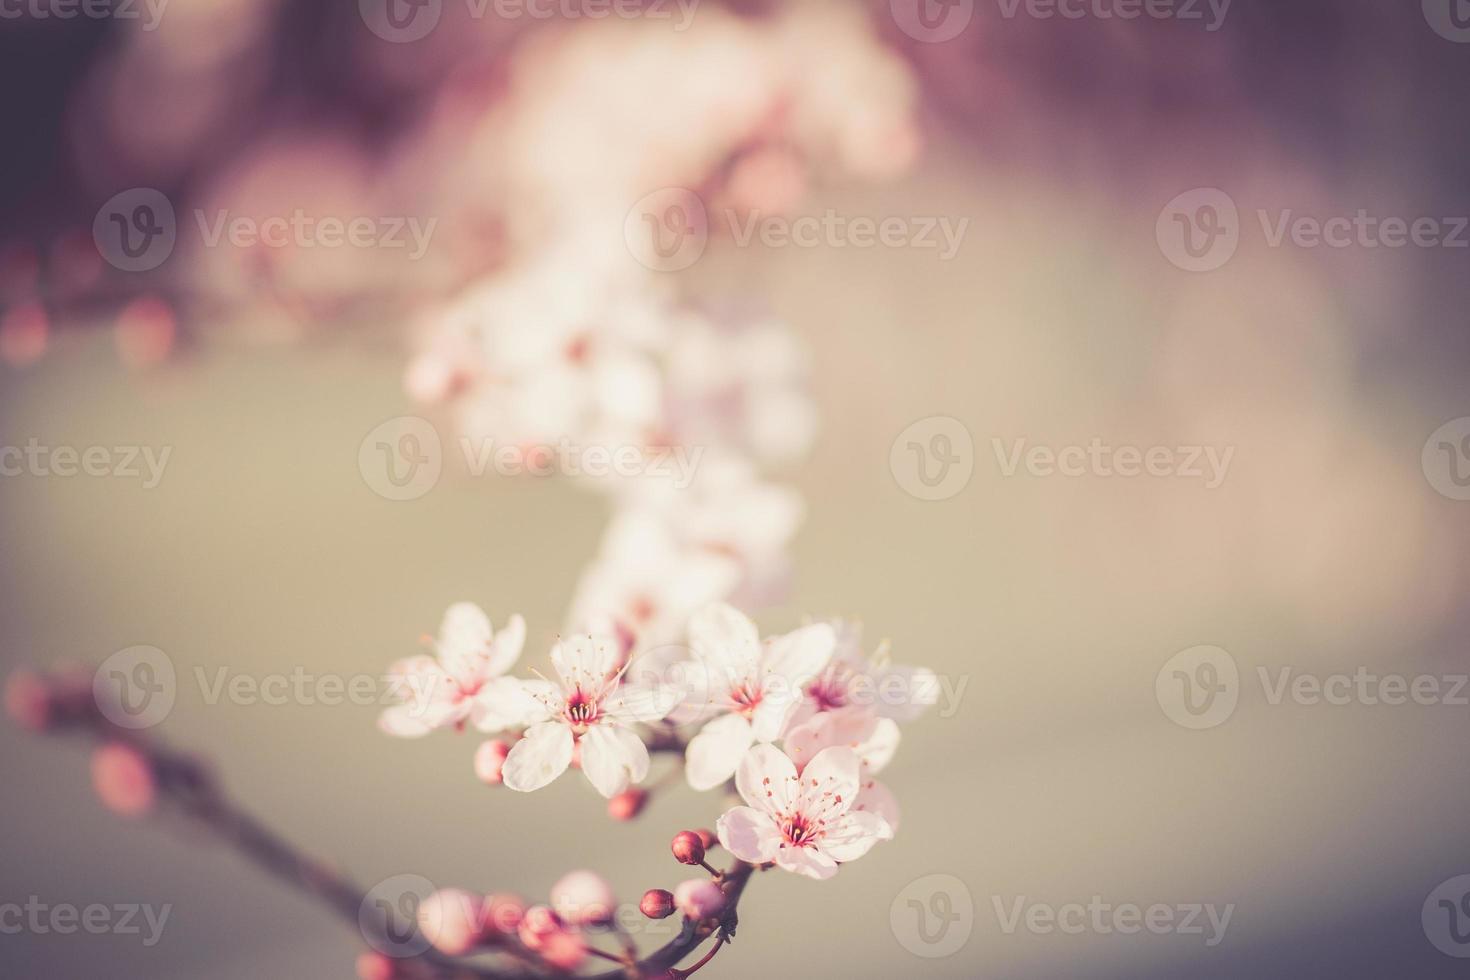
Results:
<point x="715" y="753"/>
<point x="540" y="757"/>
<point x="831" y="780"/>
<point x="807" y="861"/>
<point x="725" y="638"/>
<point x="613" y="758"/>
<point x="799" y="656"/>
<point x="749" y="834"/>
<point x="767" y="780"/>
<point x="852" y="835"/>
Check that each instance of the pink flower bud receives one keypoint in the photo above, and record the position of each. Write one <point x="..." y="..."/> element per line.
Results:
<point x="564" y="950"/>
<point x="28" y="700"/>
<point x="540" y="923"/>
<point x="503" y="913"/>
<point x="627" y="804"/>
<point x="583" y="898"/>
<point x="374" y="966"/>
<point x="450" y="919"/>
<point x="657" y="903"/>
<point x="124" y="779"/>
<point x="489" y="760"/>
<point x="699" y="898"/>
<point x="687" y="847"/>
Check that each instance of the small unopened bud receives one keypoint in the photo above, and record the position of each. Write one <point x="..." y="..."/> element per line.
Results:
<point x="583" y="898"/>
<point x="490" y="760"/>
<point x="450" y="919"/>
<point x="539" y="925"/>
<point x="28" y="700"/>
<point x="124" y="779"/>
<point x="627" y="804"/>
<point x="374" y="966"/>
<point x="564" y="950"/>
<point x="699" y="898"/>
<point x="687" y="847"/>
<point x="707" y="838"/>
<point x="503" y="913"/>
<point x="657" y="903"/>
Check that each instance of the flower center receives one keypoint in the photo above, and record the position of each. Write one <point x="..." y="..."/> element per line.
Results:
<point x="581" y="709"/>
<point x="745" y="697"/>
<point x="829" y="691"/>
<point x="800" y="831"/>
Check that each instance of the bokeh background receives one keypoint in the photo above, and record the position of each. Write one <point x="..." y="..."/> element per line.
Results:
<point x="1055" y="600"/>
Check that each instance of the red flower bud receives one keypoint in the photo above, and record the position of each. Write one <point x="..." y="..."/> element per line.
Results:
<point x="657" y="903"/>
<point x="627" y="804"/>
<point x="687" y="847"/>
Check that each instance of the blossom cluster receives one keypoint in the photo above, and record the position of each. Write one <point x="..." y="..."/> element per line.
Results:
<point x="784" y="717"/>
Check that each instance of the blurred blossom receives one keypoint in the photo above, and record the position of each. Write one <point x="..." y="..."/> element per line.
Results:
<point x="24" y="330"/>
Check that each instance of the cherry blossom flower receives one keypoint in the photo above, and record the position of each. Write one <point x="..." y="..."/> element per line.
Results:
<point x="874" y="684"/>
<point x="874" y="739"/>
<point x="590" y="709"/>
<point x="462" y="682"/>
<point x="806" y="823"/>
<point x="751" y="687"/>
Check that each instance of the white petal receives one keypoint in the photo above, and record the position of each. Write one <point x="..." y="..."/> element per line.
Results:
<point x="749" y="834"/>
<point x="853" y="834"/>
<point x="505" y="648"/>
<point x="767" y="780"/>
<point x="612" y="758"/>
<point x="639" y="703"/>
<point x="874" y="739"/>
<point x="878" y="748"/>
<point x="464" y="637"/>
<point x="831" y="779"/>
<point x="714" y="754"/>
<point x="724" y="636"/>
<point x="771" y="714"/>
<point x="404" y="721"/>
<point x="874" y="797"/>
<point x="505" y="702"/>
<point x="584" y="660"/>
<point x="540" y="757"/>
<point x="799" y="656"/>
<point x="915" y="689"/>
<point x="806" y="861"/>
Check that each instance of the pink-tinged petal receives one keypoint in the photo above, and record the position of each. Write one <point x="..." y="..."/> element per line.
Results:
<point x="540" y="757"/>
<point x="464" y="638"/>
<point x="613" y="758"/>
<point x="505" y="648"/>
<point x="504" y="703"/>
<point x="874" y="739"/>
<point x="723" y="636"/>
<point x="807" y="861"/>
<point x="749" y="834"/>
<point x="878" y="748"/>
<point x="799" y="656"/>
<point x="519" y="702"/>
<point x="714" y="754"/>
<point x="586" y="661"/>
<point x="874" y="797"/>
<point x="767" y="780"/>
<point x="831" y="779"/>
<point x="769" y="718"/>
<point x="917" y="688"/>
<point x="403" y="721"/>
<point x="632" y="703"/>
<point x="852" y="835"/>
